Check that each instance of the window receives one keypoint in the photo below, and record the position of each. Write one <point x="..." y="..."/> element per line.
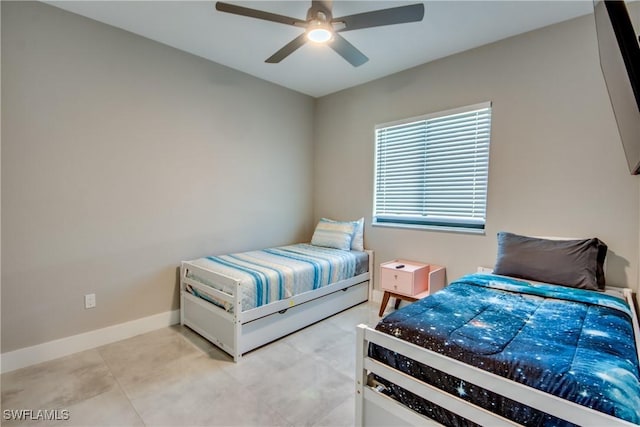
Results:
<point x="432" y="171"/>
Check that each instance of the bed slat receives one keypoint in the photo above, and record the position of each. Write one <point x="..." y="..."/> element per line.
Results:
<point x="529" y="396"/>
<point x="209" y="291"/>
<point x="437" y="396"/>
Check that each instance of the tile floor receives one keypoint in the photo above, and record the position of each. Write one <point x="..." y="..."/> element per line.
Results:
<point x="174" y="377"/>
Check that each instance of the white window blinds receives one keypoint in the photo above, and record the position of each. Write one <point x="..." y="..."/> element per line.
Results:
<point x="433" y="170"/>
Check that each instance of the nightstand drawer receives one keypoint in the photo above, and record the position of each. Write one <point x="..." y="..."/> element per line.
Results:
<point x="397" y="281"/>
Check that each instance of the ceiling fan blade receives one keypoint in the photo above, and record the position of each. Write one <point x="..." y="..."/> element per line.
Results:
<point x="288" y="49"/>
<point x="259" y="14"/>
<point x="378" y="18"/>
<point x="347" y="51"/>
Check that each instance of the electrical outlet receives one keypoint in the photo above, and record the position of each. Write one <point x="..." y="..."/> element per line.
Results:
<point x="90" y="301"/>
<point x="485" y="270"/>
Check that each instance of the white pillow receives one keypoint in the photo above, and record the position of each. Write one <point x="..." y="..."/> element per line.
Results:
<point x="357" y="244"/>
<point x="334" y="234"/>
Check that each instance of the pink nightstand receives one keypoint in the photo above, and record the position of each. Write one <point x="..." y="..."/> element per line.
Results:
<point x="409" y="281"/>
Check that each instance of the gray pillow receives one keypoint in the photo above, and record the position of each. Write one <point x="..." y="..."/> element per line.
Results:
<point x="574" y="263"/>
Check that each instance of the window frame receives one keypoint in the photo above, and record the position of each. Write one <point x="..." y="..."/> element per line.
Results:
<point x="462" y="225"/>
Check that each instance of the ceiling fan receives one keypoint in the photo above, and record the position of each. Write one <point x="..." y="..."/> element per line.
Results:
<point x="321" y="27"/>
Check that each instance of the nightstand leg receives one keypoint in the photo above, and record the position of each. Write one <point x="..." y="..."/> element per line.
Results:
<point x="385" y="301"/>
<point x="397" y="303"/>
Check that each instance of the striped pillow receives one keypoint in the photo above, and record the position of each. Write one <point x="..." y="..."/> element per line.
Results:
<point x="334" y="234"/>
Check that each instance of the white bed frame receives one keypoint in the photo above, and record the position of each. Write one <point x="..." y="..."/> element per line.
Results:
<point x="242" y="331"/>
<point x="373" y="408"/>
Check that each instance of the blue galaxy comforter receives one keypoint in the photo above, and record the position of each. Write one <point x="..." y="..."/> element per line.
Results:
<point x="575" y="344"/>
<point x="277" y="273"/>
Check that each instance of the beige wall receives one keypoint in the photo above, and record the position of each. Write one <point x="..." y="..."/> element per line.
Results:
<point x="557" y="167"/>
<point x="121" y="157"/>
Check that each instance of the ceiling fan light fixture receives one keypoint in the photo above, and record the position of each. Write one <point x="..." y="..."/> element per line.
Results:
<point x="319" y="32"/>
<point x="321" y="28"/>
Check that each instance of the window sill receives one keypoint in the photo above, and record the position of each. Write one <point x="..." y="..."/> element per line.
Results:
<point x="462" y="230"/>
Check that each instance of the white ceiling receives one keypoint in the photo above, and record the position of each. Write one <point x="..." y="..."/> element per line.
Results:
<point x="244" y="43"/>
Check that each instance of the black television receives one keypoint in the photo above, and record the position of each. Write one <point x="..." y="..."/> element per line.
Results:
<point x="619" y="49"/>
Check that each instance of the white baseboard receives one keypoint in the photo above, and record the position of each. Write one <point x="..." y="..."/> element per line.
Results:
<point x="27" y="356"/>
<point x="377" y="296"/>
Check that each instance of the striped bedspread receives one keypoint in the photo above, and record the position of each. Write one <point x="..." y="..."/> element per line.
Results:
<point x="273" y="274"/>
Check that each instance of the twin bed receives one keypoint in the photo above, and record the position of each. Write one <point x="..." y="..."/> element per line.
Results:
<point x="242" y="301"/>
<point x="496" y="350"/>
